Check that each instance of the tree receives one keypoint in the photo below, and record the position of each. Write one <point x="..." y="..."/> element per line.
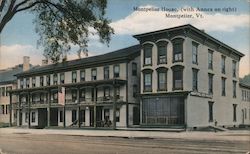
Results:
<point x="62" y="23"/>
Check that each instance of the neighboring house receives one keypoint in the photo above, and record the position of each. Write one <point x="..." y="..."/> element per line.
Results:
<point x="188" y="79"/>
<point x="178" y="77"/>
<point x="245" y="103"/>
<point x="98" y="91"/>
<point x="8" y="82"/>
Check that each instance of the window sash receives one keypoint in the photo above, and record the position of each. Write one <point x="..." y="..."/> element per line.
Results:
<point x="162" y="80"/>
<point x="195" y="54"/>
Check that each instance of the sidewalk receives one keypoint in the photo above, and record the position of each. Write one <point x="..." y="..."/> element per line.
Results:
<point x="242" y="135"/>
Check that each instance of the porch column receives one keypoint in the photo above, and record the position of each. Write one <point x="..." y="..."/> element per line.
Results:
<point x="79" y="108"/>
<point x="10" y="109"/>
<point x="114" y="107"/>
<point x="95" y="107"/>
<point x="64" y="111"/>
<point x="48" y="109"/>
<point x="19" y="109"/>
<point x="29" y="110"/>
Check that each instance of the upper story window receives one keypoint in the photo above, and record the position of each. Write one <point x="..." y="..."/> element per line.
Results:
<point x="223" y="86"/>
<point x="116" y="71"/>
<point x="210" y="83"/>
<point x="21" y="83"/>
<point x="74" y="95"/>
<point x="162" y="79"/>
<point x="210" y="59"/>
<point x="195" y="53"/>
<point x="48" y="80"/>
<point x="234" y="89"/>
<point x="74" y="77"/>
<point x="3" y="91"/>
<point x="82" y="94"/>
<point x="41" y="81"/>
<point x="82" y="75"/>
<point x="162" y="52"/>
<point x="178" y="49"/>
<point x="148" y="54"/>
<point x="8" y="89"/>
<point x="177" y="77"/>
<point x="223" y="64"/>
<point x="107" y="92"/>
<point x="134" y="69"/>
<point x="34" y="82"/>
<point x="147" y="80"/>
<point x="55" y="79"/>
<point x="195" y="79"/>
<point x="62" y="78"/>
<point x="117" y="92"/>
<point x="106" y="72"/>
<point x="27" y="82"/>
<point x="93" y="74"/>
<point x="234" y="68"/>
<point x="135" y="90"/>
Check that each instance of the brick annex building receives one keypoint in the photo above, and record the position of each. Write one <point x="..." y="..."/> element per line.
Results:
<point x="176" y="77"/>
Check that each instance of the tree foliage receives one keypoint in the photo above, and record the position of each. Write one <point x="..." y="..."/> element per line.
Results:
<point x="62" y="24"/>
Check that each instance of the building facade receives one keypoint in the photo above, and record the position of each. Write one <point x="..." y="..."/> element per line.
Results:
<point x="188" y="79"/>
<point x="178" y="77"/>
<point x="98" y="91"/>
<point x="245" y="103"/>
<point x="8" y="82"/>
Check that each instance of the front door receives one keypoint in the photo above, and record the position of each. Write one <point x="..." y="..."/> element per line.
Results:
<point x="136" y="116"/>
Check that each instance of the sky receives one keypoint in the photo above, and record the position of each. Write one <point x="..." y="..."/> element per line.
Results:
<point x="232" y="27"/>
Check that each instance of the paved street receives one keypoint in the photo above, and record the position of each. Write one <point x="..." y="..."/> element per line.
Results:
<point x="28" y="143"/>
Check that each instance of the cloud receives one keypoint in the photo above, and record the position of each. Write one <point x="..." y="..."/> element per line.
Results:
<point x="11" y="55"/>
<point x="146" y="21"/>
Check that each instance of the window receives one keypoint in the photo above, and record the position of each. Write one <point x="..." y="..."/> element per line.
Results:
<point x="234" y="112"/>
<point x="134" y="69"/>
<point x="162" y="79"/>
<point x="210" y="59"/>
<point x="210" y="112"/>
<point x="234" y="68"/>
<point x="148" y="54"/>
<point x="74" y="77"/>
<point x="93" y="94"/>
<point x="223" y="86"/>
<point x="41" y="81"/>
<point x="234" y="89"/>
<point x="195" y="79"/>
<point x="7" y="107"/>
<point x="223" y="63"/>
<point x="34" y="82"/>
<point x="162" y="52"/>
<point x="2" y="109"/>
<point x="117" y="115"/>
<point x="177" y="78"/>
<point x="135" y="90"/>
<point x="48" y="80"/>
<point x="74" y="95"/>
<point x="195" y="53"/>
<point x="106" y="72"/>
<point x="62" y="78"/>
<point x="117" y="92"/>
<point x="55" y="79"/>
<point x="27" y="82"/>
<point x="8" y="89"/>
<point x="26" y="117"/>
<point x="82" y="75"/>
<point x="116" y="71"/>
<point x="93" y="74"/>
<point x="73" y="116"/>
<point x="178" y="49"/>
<point x="210" y="83"/>
<point x="21" y="83"/>
<point x="3" y="91"/>
<point x="61" y="116"/>
<point x="33" y="116"/>
<point x="148" y="81"/>
<point x="106" y="93"/>
<point x="82" y="95"/>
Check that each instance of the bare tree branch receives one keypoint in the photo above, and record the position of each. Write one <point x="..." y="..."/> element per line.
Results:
<point x="2" y="5"/>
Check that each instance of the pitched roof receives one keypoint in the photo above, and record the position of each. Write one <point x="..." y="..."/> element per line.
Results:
<point x="121" y="54"/>
<point x="194" y="29"/>
<point x="7" y="75"/>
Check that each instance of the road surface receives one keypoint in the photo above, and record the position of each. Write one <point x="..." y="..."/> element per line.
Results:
<point x="25" y="143"/>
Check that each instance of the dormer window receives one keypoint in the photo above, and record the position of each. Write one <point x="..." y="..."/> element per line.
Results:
<point x="148" y="54"/>
<point x="178" y="50"/>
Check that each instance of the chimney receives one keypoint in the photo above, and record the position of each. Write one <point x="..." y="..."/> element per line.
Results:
<point x="44" y="62"/>
<point x="26" y="63"/>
